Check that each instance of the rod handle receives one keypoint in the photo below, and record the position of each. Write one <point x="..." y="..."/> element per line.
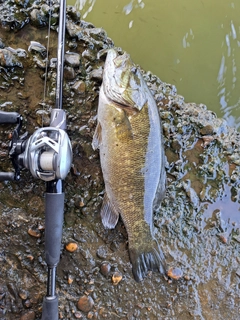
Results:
<point x="50" y="309"/>
<point x="54" y="207"/>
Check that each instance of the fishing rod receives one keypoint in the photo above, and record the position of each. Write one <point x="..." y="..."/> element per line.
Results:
<point x="48" y="156"/>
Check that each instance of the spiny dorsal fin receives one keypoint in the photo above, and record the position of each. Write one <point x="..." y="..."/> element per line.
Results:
<point x="97" y="137"/>
<point x="109" y="213"/>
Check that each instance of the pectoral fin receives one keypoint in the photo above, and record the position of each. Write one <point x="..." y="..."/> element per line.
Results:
<point x="97" y="137"/>
<point x="109" y="213"/>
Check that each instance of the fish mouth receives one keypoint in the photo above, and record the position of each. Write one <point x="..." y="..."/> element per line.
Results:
<point x="122" y="81"/>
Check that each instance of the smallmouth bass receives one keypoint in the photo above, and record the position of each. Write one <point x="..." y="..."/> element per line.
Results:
<point x="129" y="137"/>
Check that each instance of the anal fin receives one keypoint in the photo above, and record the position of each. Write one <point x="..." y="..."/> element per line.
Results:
<point x="109" y="213"/>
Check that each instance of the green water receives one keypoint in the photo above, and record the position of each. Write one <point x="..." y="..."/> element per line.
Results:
<point x="194" y="44"/>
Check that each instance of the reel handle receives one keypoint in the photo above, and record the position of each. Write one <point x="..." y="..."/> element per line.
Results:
<point x="7" y="176"/>
<point x="9" y="117"/>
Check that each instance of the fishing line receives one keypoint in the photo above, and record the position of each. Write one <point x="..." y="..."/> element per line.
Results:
<point x="46" y="68"/>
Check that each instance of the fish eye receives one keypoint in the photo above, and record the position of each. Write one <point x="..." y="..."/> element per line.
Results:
<point x="134" y="69"/>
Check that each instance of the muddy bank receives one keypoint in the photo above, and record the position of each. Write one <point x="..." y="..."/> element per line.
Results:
<point x="198" y="224"/>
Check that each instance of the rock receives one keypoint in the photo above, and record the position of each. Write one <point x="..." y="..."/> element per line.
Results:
<point x="71" y="247"/>
<point x="223" y="236"/>
<point x="79" y="87"/>
<point x="85" y="303"/>
<point x="116" y="278"/>
<point x="8" y="59"/>
<point x="96" y="74"/>
<point x="72" y="29"/>
<point x="34" y="233"/>
<point x="97" y="33"/>
<point x="207" y="130"/>
<point x="36" y="47"/>
<point x="102" y="252"/>
<point x="78" y="315"/>
<point x="72" y="59"/>
<point x="30" y="315"/>
<point x="73" y="13"/>
<point x="70" y="279"/>
<point x="43" y="117"/>
<point x="69" y="73"/>
<point x="105" y="268"/>
<point x="175" y="273"/>
<point x="23" y="294"/>
<point x="37" y="18"/>
<point x="88" y="54"/>
<point x="27" y="304"/>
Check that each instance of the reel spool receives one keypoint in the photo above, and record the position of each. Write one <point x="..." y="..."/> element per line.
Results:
<point x="48" y="154"/>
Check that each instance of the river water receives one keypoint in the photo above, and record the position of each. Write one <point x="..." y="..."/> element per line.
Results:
<point x="194" y="45"/>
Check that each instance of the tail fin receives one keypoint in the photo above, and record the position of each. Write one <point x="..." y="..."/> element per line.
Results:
<point x="148" y="257"/>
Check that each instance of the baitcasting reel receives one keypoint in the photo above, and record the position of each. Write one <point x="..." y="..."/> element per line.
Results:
<point x="47" y="153"/>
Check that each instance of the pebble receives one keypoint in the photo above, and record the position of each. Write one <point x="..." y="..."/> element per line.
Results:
<point x="71" y="246"/>
<point x="72" y="28"/>
<point x="70" y="279"/>
<point x="37" y="47"/>
<point x="89" y="55"/>
<point x="23" y="294"/>
<point x="207" y="140"/>
<point x="101" y="252"/>
<point x="85" y="303"/>
<point x="116" y="278"/>
<point x="34" y="233"/>
<point x="69" y="73"/>
<point x="105" y="268"/>
<point x="78" y="315"/>
<point x="207" y="130"/>
<point x="30" y="257"/>
<point x="30" y="315"/>
<point x="72" y="59"/>
<point x="79" y="87"/>
<point x="90" y="315"/>
<point x="97" y="74"/>
<point x="175" y="273"/>
<point x="37" y="18"/>
<point x="27" y="303"/>
<point x="8" y="59"/>
<point x="223" y="237"/>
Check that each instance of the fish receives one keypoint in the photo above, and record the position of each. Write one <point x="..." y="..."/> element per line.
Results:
<point x="130" y="142"/>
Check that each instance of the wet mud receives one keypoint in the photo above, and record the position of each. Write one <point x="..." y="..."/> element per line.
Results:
<point x="198" y="224"/>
